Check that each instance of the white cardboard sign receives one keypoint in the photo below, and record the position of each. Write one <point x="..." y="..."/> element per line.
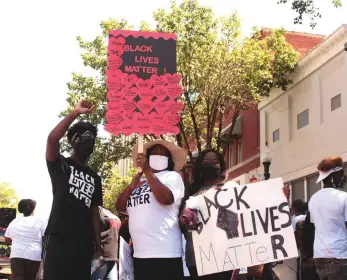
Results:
<point x="126" y="262"/>
<point x="242" y="226"/>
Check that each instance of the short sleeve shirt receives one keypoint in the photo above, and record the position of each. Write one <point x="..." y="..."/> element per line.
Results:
<point x="328" y="212"/>
<point x="154" y="228"/>
<point x="75" y="190"/>
<point x="26" y="234"/>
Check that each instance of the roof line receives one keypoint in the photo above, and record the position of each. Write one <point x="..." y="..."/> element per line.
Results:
<point x="298" y="33"/>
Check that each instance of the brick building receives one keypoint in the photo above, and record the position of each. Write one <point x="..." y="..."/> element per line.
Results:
<point x="243" y="155"/>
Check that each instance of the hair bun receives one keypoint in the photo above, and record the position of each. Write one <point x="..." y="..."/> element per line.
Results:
<point x="329" y="163"/>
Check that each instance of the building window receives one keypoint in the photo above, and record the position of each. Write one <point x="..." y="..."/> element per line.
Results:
<point x="239" y="151"/>
<point x="276" y="135"/>
<point x="312" y="186"/>
<point x="230" y="156"/>
<point x="298" y="189"/>
<point x="303" y="119"/>
<point x="336" y="102"/>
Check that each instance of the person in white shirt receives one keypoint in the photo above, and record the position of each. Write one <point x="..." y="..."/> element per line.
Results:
<point x="299" y="209"/>
<point x="328" y="213"/>
<point x="152" y="204"/>
<point x="25" y="234"/>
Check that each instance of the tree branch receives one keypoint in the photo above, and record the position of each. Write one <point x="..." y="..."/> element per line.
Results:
<point x="195" y="125"/>
<point x="186" y="141"/>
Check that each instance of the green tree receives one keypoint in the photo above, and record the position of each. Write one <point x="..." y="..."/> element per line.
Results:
<point x="115" y="186"/>
<point x="108" y="150"/>
<point x="8" y="196"/>
<point x="308" y="8"/>
<point x="222" y="73"/>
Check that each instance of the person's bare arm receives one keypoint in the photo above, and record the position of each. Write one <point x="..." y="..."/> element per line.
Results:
<point x="52" y="148"/>
<point x="161" y="192"/>
<point x="8" y="240"/>
<point x="121" y="203"/>
<point x="96" y="229"/>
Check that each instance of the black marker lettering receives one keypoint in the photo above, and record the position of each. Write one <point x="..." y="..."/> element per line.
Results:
<point x="265" y="222"/>
<point x="277" y="244"/>
<point x="238" y="198"/>
<point x="255" y="232"/>
<point x="273" y="218"/>
<point x="217" y="202"/>
<point x="284" y="211"/>
<point x="245" y="234"/>
<point x="209" y="203"/>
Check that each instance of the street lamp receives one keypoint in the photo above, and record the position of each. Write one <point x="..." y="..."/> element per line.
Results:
<point x="266" y="158"/>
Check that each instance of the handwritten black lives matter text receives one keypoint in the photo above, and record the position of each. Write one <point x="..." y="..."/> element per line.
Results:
<point x="249" y="221"/>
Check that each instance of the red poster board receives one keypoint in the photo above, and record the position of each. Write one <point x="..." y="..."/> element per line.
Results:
<point x="143" y="85"/>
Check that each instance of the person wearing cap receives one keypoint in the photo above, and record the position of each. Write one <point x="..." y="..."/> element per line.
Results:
<point x="152" y="204"/>
<point x="328" y="213"/>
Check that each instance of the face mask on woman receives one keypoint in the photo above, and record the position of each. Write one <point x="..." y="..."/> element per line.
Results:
<point x="158" y="163"/>
<point x="210" y="171"/>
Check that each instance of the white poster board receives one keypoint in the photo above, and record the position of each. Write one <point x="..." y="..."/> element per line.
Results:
<point x="242" y="226"/>
<point x="126" y="262"/>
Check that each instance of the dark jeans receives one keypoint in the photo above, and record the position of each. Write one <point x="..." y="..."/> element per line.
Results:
<point x="217" y="276"/>
<point x="67" y="258"/>
<point x="109" y="271"/>
<point x="158" y="269"/>
<point x="23" y="269"/>
<point x="331" y="269"/>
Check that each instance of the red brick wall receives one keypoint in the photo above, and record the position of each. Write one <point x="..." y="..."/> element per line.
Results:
<point x="250" y="136"/>
<point x="244" y="169"/>
<point x="302" y="42"/>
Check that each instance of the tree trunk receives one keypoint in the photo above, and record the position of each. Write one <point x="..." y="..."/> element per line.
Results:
<point x="186" y="141"/>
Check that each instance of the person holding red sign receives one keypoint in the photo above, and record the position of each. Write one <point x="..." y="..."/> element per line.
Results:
<point x="153" y="204"/>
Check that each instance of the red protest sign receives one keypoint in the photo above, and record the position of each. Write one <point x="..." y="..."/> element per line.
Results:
<point x="143" y="86"/>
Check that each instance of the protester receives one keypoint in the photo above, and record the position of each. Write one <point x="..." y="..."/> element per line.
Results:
<point x="153" y="204"/>
<point x="299" y="210"/>
<point x="207" y="173"/>
<point x="25" y="233"/>
<point x="110" y="225"/>
<point x="328" y="212"/>
<point x="77" y="195"/>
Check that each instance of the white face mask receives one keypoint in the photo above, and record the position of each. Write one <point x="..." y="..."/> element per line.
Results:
<point x="158" y="163"/>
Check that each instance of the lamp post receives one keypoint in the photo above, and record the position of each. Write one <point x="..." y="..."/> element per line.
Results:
<point x="266" y="159"/>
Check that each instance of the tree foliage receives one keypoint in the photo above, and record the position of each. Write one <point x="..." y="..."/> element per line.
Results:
<point x="110" y="149"/>
<point x="308" y="8"/>
<point x="222" y="74"/>
<point x="115" y="185"/>
<point x="8" y="196"/>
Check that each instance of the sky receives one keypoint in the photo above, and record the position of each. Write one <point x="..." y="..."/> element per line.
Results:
<point x="39" y="51"/>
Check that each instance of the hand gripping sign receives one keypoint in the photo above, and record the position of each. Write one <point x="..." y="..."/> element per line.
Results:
<point x="143" y="86"/>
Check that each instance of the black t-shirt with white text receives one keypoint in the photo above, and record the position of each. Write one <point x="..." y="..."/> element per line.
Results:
<point x="75" y="190"/>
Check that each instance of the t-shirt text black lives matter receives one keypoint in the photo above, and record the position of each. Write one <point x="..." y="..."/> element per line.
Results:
<point x="154" y="227"/>
<point x="75" y="190"/>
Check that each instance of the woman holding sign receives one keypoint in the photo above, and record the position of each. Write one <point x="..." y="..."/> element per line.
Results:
<point x="208" y="171"/>
<point x="153" y="204"/>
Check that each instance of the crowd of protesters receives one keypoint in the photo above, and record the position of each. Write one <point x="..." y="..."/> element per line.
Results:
<point x="153" y="215"/>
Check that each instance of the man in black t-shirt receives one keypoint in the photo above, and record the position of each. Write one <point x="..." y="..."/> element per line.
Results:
<point x="74" y="222"/>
